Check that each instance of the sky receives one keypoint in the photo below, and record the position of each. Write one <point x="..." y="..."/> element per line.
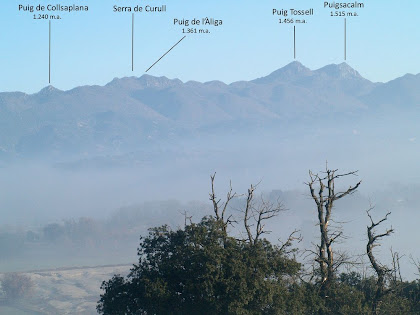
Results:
<point x="92" y="48"/>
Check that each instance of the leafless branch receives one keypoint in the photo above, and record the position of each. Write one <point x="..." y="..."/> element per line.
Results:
<point x="416" y="263"/>
<point x="293" y="237"/>
<point x="220" y="207"/>
<point x="256" y="214"/>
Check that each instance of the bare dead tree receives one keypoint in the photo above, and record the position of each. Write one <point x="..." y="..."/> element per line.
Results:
<point x="220" y="207"/>
<point x="248" y="212"/>
<point x="257" y="213"/>
<point x="416" y="264"/>
<point x="341" y="258"/>
<point x="396" y="267"/>
<point x="381" y="270"/>
<point x="186" y="218"/>
<point x="325" y="198"/>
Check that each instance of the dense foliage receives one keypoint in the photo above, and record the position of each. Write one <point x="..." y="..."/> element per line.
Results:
<point x="202" y="270"/>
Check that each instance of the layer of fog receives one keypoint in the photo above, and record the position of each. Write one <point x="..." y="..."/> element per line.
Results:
<point x="35" y="194"/>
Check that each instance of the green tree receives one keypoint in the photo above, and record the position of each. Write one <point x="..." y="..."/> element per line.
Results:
<point x="201" y="270"/>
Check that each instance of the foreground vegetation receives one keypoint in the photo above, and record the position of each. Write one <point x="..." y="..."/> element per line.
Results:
<point x="204" y="268"/>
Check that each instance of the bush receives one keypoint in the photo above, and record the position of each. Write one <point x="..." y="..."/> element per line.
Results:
<point x="15" y="286"/>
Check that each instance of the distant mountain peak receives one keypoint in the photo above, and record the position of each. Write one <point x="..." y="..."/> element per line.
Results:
<point x="48" y="90"/>
<point x="290" y="72"/>
<point x="158" y="82"/>
<point x="296" y="66"/>
<point x="340" y="71"/>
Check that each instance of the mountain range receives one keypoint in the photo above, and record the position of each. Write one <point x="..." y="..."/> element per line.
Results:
<point x="134" y="113"/>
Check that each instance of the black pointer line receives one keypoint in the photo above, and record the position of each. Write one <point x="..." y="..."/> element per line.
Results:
<point x="49" y="53"/>
<point x="132" y="43"/>
<point x="294" y="41"/>
<point x="165" y="53"/>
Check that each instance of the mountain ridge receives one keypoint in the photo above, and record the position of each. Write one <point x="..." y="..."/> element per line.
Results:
<point x="132" y="112"/>
<point x="151" y="81"/>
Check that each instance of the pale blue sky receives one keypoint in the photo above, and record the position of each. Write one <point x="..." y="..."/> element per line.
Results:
<point x="94" y="47"/>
